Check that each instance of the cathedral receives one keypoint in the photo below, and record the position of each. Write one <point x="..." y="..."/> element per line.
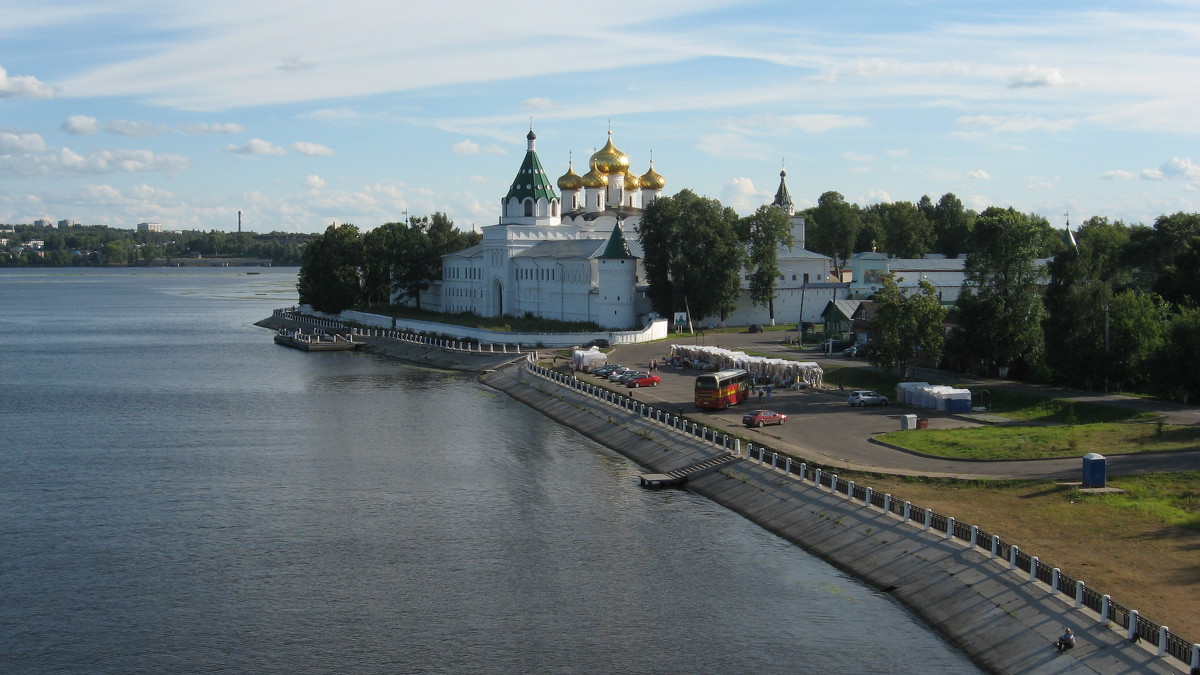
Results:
<point x="579" y="258"/>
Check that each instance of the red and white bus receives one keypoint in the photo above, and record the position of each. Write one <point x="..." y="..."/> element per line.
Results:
<point x="722" y="389"/>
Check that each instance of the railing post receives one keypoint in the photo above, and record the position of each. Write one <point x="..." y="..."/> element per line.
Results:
<point x="1195" y="656"/>
<point x="774" y="460"/>
<point x="907" y="510"/>
<point x="817" y="477"/>
<point x="787" y="465"/>
<point x="928" y="518"/>
<point x="950" y="527"/>
<point x="833" y="482"/>
<point x="737" y="447"/>
<point x="1054" y="581"/>
<point x="1079" y="585"/>
<point x="803" y="471"/>
<point x="995" y="546"/>
<point x="850" y="490"/>
<point x="1133" y="619"/>
<point x="1033" y="562"/>
<point x="1012" y="557"/>
<point x="887" y="503"/>
<point x="1105" y="600"/>
<point x="867" y="498"/>
<point x="974" y="535"/>
<point x="1162" y="641"/>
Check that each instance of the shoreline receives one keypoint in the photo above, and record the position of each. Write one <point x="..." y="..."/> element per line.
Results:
<point x="1001" y="622"/>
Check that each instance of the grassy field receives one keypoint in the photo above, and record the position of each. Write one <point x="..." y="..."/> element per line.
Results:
<point x="1023" y="441"/>
<point x="1141" y="547"/>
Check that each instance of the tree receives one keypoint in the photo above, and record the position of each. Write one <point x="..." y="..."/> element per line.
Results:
<point x="906" y="325"/>
<point x="1180" y="349"/>
<point x="835" y="228"/>
<point x="1136" y="331"/>
<point x="1001" y="306"/>
<point x="330" y="274"/>
<point x="765" y="230"/>
<point x="906" y="231"/>
<point x="693" y="255"/>
<point x="951" y="226"/>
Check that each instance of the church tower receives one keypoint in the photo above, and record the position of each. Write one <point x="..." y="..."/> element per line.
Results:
<point x="616" y="269"/>
<point x="531" y="199"/>
<point x="783" y="200"/>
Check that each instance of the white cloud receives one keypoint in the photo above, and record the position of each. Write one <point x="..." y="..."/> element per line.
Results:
<point x="979" y="173"/>
<point x="312" y="149"/>
<point x="80" y="125"/>
<point x="1180" y="168"/>
<point x="538" y="103"/>
<point x="21" y="143"/>
<point x="256" y="146"/>
<point x="878" y="197"/>
<point x="68" y="162"/>
<point x="134" y="129"/>
<point x="898" y="154"/>
<point x="1116" y="175"/>
<point x="1014" y="123"/>
<point x="741" y="195"/>
<point x="467" y="147"/>
<point x="207" y="128"/>
<point x="314" y="182"/>
<point x="1151" y="174"/>
<point x="857" y="156"/>
<point x="293" y="63"/>
<point x="1033" y="76"/>
<point x="23" y="86"/>
<point x="813" y="123"/>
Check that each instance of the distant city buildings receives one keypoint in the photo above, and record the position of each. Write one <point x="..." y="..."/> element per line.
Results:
<point x="149" y="227"/>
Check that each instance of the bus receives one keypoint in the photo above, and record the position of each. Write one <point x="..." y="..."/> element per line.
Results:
<point x="722" y="389"/>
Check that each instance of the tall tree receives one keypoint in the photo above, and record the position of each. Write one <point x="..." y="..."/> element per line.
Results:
<point x="908" y="234"/>
<point x="1001" y="306"/>
<point x="906" y="325"/>
<point x="765" y="230"/>
<point x="330" y="274"/>
<point x="951" y="226"/>
<point x="835" y="228"/>
<point x="693" y="255"/>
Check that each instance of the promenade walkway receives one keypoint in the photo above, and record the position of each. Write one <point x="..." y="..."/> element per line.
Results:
<point x="823" y="429"/>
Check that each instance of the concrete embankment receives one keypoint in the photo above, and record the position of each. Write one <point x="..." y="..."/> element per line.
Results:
<point x="416" y="354"/>
<point x="1002" y="621"/>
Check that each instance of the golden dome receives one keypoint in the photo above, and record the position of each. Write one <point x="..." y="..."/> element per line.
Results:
<point x="594" y="178"/>
<point x="632" y="182"/>
<point x="651" y="180"/>
<point x="570" y="180"/>
<point x="609" y="159"/>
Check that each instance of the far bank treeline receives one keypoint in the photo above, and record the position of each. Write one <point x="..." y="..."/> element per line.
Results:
<point x="95" y="245"/>
<point x="1117" y="309"/>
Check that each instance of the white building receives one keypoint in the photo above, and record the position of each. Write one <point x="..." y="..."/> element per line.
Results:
<point x="149" y="227"/>
<point x="579" y="258"/>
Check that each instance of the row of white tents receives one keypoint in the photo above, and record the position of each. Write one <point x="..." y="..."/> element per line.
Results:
<point x="588" y="359"/>
<point x="779" y="372"/>
<point x="934" y="397"/>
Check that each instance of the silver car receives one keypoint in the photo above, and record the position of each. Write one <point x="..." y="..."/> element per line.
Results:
<point x="866" y="397"/>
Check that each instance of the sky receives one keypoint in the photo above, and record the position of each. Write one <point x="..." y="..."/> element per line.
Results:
<point x="304" y="114"/>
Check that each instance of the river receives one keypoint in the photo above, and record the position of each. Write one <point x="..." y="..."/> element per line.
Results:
<point x="178" y="494"/>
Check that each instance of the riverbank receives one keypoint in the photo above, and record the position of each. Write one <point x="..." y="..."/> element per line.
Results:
<point x="996" y="616"/>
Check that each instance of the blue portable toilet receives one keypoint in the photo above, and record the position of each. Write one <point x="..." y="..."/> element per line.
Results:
<point x="1093" y="470"/>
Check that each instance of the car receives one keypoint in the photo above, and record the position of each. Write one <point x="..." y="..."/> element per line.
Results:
<point x="630" y="375"/>
<point x="756" y="328"/>
<point x="832" y="345"/>
<point x="647" y="380"/>
<point x="761" y="418"/>
<point x="855" y="350"/>
<point x="605" y="371"/>
<point x="599" y="342"/>
<point x="865" y="398"/>
<point x="616" y="374"/>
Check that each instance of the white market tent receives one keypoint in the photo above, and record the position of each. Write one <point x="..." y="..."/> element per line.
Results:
<point x="588" y="359"/>
<point x="780" y="372"/>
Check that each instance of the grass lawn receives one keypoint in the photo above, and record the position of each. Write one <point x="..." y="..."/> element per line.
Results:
<point x="1021" y="441"/>
<point x="1140" y="547"/>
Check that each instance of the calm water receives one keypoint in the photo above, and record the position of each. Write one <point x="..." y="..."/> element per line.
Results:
<point x="178" y="494"/>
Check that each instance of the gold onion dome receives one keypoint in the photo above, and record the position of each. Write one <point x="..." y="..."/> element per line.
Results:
<point x="632" y="181"/>
<point x="594" y="178"/>
<point x="651" y="180"/>
<point x="609" y="159"/>
<point x="570" y="180"/>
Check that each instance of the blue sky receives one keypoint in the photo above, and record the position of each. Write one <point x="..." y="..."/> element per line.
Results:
<point x="306" y="113"/>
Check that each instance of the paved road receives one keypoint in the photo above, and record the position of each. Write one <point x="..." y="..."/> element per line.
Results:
<point x="822" y="428"/>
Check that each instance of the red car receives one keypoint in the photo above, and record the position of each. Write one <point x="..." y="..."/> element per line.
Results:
<point x="647" y="381"/>
<point x="761" y="418"/>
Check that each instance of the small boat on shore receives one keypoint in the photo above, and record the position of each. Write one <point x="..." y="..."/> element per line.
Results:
<point x="316" y="342"/>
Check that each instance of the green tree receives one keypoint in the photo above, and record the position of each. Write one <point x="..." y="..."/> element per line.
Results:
<point x="330" y="275"/>
<point x="1001" y="307"/>
<point x="693" y="255"/>
<point x="835" y="226"/>
<point x="1136" y="332"/>
<point x="951" y="226"/>
<point x="1176" y="372"/>
<point x="906" y="325"/>
<point x="765" y="230"/>
<point x="907" y="233"/>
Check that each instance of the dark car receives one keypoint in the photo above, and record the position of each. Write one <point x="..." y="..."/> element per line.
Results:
<point x="756" y="328"/>
<point x="599" y="342"/>
<point x="761" y="418"/>
<point x="854" y="351"/>
<point x="605" y="371"/>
